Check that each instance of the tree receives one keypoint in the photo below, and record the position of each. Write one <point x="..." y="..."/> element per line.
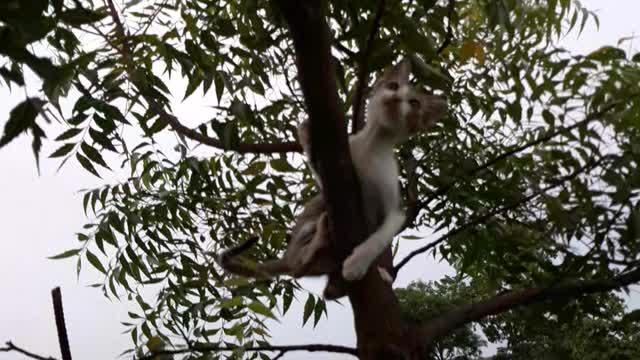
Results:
<point x="592" y="329"/>
<point x="423" y="301"/>
<point x="530" y="183"/>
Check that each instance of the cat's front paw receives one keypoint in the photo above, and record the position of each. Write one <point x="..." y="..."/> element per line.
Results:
<point x="357" y="264"/>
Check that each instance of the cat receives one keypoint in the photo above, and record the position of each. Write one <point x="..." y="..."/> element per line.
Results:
<point x="396" y="110"/>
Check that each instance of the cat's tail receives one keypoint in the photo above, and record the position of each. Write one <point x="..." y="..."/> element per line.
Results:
<point x="230" y="260"/>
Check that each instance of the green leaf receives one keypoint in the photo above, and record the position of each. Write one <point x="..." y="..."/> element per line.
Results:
<point x="287" y="297"/>
<point x="69" y="134"/>
<point x="93" y="154"/>
<point x="260" y="308"/>
<point x="281" y="165"/>
<point x="236" y="301"/>
<point x="62" y="150"/>
<point x="12" y="75"/>
<point x="95" y="262"/>
<point x="66" y="254"/>
<point x="21" y="119"/>
<point x="87" y="164"/>
<point x="78" y="16"/>
<point x="308" y="308"/>
<point x="317" y="311"/>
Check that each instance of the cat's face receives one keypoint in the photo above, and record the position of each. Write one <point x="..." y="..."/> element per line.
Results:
<point x="399" y="107"/>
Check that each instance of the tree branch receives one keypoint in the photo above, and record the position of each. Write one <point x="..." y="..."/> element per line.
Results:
<point x="176" y="125"/>
<point x="449" y="36"/>
<point x="481" y="219"/>
<point x="451" y="320"/>
<point x="63" y="338"/>
<point x="363" y="70"/>
<point x="378" y="323"/>
<point x="280" y="348"/>
<point x="11" y="347"/>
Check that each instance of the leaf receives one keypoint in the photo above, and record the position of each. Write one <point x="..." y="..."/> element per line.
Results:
<point x="308" y="308"/>
<point x="21" y="119"/>
<point x="281" y="165"/>
<point x="68" y="134"/>
<point x="548" y="117"/>
<point x="467" y="51"/>
<point x="62" y="150"/>
<point x="80" y="16"/>
<point x="13" y="75"/>
<point x="101" y="139"/>
<point x="236" y="301"/>
<point x="287" y="297"/>
<point x="260" y="308"/>
<point x="64" y="255"/>
<point x="87" y="164"/>
<point x="93" y="154"/>
<point x="95" y="262"/>
<point x="317" y="311"/>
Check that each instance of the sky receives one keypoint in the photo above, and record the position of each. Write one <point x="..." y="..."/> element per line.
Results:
<point x="39" y="215"/>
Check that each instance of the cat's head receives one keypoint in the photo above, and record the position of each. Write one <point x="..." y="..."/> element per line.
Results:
<point x="401" y="108"/>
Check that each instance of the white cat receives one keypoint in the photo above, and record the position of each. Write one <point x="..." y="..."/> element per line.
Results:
<point x="396" y="110"/>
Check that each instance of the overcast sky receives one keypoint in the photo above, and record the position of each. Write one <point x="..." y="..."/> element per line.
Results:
<point x="40" y="214"/>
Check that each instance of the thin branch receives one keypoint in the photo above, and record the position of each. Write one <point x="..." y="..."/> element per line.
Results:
<point x="63" y="338"/>
<point x="451" y="320"/>
<point x="11" y="347"/>
<point x="481" y="219"/>
<point x="449" y="36"/>
<point x="363" y="74"/>
<point x="176" y="125"/>
<point x="281" y="348"/>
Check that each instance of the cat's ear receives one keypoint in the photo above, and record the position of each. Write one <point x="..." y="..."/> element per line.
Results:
<point x="434" y="108"/>
<point x="403" y="69"/>
<point x="400" y="73"/>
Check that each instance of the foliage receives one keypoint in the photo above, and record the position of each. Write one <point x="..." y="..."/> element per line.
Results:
<point x="421" y="301"/>
<point x="571" y="332"/>
<point x="534" y="171"/>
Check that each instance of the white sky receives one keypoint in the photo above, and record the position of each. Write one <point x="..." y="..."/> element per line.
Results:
<point x="40" y="214"/>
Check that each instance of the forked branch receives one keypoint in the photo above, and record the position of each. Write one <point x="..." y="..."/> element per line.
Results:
<point x="9" y="347"/>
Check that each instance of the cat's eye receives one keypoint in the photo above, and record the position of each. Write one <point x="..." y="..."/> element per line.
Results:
<point x="415" y="103"/>
<point x="392" y="85"/>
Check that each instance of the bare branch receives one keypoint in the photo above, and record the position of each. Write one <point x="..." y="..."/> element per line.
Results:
<point x="176" y="125"/>
<point x="11" y="347"/>
<point x="363" y="73"/>
<point x="280" y="348"/>
<point x="481" y="219"/>
<point x="58" y="311"/>
<point x="453" y="319"/>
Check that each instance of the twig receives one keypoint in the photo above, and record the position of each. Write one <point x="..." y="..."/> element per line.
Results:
<point x="363" y="74"/>
<point x="63" y="339"/>
<point x="281" y="348"/>
<point x="449" y="36"/>
<point x="11" y="347"/>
